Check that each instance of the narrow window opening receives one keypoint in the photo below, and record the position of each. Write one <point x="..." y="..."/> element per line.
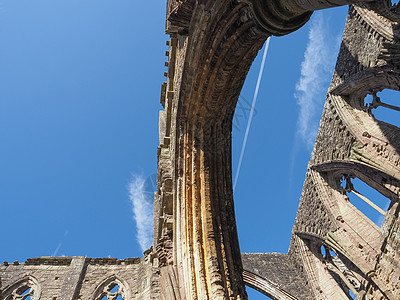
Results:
<point x="366" y="199"/>
<point x="332" y="253"/>
<point x="352" y="296"/>
<point x="384" y="106"/>
<point x="323" y="251"/>
<point x="368" y="100"/>
<point x="348" y="281"/>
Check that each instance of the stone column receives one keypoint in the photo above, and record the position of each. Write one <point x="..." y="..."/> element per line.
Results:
<point x="209" y="252"/>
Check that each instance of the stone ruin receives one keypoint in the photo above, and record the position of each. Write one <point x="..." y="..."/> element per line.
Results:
<point x="336" y="252"/>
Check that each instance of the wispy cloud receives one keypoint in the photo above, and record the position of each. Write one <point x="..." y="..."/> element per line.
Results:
<point x="142" y="208"/>
<point x="60" y="243"/>
<point x="316" y="72"/>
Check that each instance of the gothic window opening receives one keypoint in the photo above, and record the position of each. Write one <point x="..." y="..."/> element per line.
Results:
<point x="25" y="289"/>
<point x="22" y="293"/>
<point x="384" y="105"/>
<point x="345" y="277"/>
<point x="352" y="295"/>
<point x="145" y="282"/>
<point x="111" y="289"/>
<point x="323" y="251"/>
<point x="366" y="199"/>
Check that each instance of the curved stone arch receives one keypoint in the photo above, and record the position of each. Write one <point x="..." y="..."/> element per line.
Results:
<point x="371" y="176"/>
<point x="265" y="287"/>
<point x="208" y="63"/>
<point x="377" y="180"/>
<point x="387" y="79"/>
<point x="357" y="239"/>
<point x="339" y="263"/>
<point x="379" y="78"/>
<point x="380" y="69"/>
<point x="354" y="238"/>
<point x="365" y="136"/>
<point x="99" y="291"/>
<point x="219" y="52"/>
<point x="21" y="285"/>
<point x="221" y="48"/>
<point x="316" y="244"/>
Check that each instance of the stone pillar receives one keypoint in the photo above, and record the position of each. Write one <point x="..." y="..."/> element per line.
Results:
<point x="73" y="278"/>
<point x="209" y="253"/>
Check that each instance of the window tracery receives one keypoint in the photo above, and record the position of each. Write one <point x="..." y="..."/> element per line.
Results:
<point x="112" y="292"/>
<point x="371" y="209"/>
<point x="25" y="289"/>
<point x="111" y="289"/>
<point x="372" y="102"/>
<point x="334" y="264"/>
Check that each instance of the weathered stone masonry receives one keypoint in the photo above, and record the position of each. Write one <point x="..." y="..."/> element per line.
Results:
<point x="212" y="46"/>
<point x="335" y="249"/>
<point x="78" y="277"/>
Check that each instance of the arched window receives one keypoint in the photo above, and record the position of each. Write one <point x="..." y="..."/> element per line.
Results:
<point x="22" y="293"/>
<point x="384" y="105"/>
<point x="25" y="289"/>
<point x="348" y="280"/>
<point x="367" y="200"/>
<point x="111" y="289"/>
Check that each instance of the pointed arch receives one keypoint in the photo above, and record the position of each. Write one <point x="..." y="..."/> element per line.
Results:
<point x="369" y="177"/>
<point x="265" y="286"/>
<point x="22" y="285"/>
<point x="108" y="284"/>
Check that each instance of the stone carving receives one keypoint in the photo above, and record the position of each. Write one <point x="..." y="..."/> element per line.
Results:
<point x="196" y="249"/>
<point x="26" y="288"/>
<point x="336" y="265"/>
<point x="112" y="295"/>
<point x="17" y="296"/>
<point x="376" y="102"/>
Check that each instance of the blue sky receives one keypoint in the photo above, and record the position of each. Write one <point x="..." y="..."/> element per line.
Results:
<point x="80" y="87"/>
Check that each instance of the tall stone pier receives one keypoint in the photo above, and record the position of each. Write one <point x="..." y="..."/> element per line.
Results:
<point x="336" y="252"/>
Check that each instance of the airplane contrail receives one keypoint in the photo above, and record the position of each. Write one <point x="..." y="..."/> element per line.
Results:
<point x="251" y="113"/>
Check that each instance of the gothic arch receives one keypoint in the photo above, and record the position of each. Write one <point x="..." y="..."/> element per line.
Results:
<point x="108" y="284"/>
<point x="358" y="88"/>
<point x="376" y="181"/>
<point x="382" y="182"/>
<point x="21" y="286"/>
<point x="213" y="44"/>
<point x="265" y="287"/>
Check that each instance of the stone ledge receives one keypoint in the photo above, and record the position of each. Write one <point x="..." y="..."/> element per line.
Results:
<point x="66" y="261"/>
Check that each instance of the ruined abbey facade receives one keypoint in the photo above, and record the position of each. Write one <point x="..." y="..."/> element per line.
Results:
<point x="336" y="252"/>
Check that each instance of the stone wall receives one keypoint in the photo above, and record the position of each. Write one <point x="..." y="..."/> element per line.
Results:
<point x="281" y="271"/>
<point x="335" y="249"/>
<point x="340" y="249"/>
<point x="78" y="277"/>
